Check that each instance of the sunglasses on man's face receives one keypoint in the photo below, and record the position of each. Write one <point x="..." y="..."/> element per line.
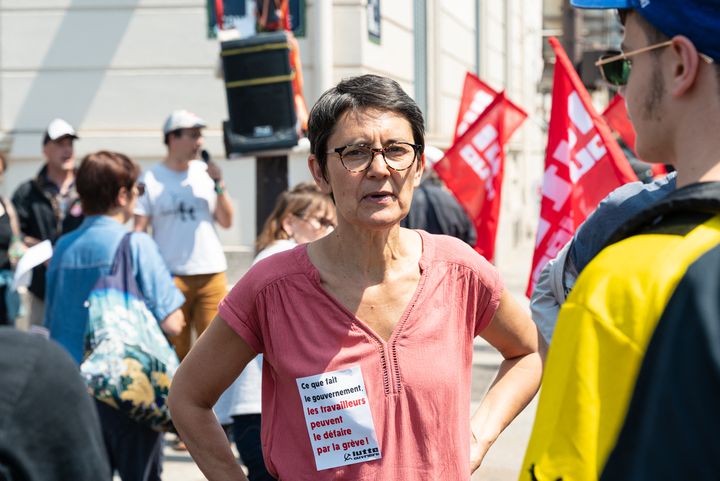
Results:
<point x="615" y="66"/>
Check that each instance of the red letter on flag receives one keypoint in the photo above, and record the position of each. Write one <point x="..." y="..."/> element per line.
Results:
<point x="583" y="163"/>
<point x="473" y="167"/>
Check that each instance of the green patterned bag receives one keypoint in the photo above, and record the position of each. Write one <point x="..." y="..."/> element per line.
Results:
<point x="129" y="362"/>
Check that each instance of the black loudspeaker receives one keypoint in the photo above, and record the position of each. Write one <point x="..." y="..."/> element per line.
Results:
<point x="258" y="83"/>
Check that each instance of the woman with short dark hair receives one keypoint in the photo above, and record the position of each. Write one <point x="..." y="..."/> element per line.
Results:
<point x="367" y="333"/>
<point x="100" y="178"/>
<point x="107" y="185"/>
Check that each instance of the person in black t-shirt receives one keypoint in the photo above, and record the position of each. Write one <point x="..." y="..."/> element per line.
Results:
<point x="435" y="209"/>
<point x="50" y="429"/>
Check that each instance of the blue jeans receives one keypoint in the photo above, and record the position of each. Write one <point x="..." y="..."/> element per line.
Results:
<point x="134" y="450"/>
<point x="246" y="431"/>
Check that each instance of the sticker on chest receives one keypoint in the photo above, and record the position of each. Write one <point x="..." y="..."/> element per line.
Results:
<point x="338" y="418"/>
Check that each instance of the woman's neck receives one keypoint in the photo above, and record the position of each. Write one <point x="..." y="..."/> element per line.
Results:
<point x="118" y="215"/>
<point x="177" y="164"/>
<point x="364" y="254"/>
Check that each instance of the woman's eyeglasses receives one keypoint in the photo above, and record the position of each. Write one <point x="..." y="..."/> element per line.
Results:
<point x="615" y="66"/>
<point x="318" y="223"/>
<point x="398" y="156"/>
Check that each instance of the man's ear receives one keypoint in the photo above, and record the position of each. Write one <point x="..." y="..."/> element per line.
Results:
<point x="685" y="64"/>
<point x="318" y="175"/>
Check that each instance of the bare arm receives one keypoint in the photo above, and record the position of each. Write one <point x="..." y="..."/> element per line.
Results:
<point x="213" y="363"/>
<point x="12" y="215"/>
<point x="513" y="333"/>
<point x="31" y="241"/>
<point x="141" y="223"/>
<point x="173" y="323"/>
<point x="223" y="209"/>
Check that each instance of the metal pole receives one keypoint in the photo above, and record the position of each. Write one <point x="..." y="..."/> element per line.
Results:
<point x="271" y="179"/>
<point x="571" y="29"/>
<point x="323" y="45"/>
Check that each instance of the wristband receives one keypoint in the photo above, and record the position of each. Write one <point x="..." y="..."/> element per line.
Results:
<point x="219" y="188"/>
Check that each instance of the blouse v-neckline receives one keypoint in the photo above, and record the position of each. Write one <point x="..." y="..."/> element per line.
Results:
<point x="314" y="275"/>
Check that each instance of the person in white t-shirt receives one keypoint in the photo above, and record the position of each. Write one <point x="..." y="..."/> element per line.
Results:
<point x="302" y="214"/>
<point x="184" y="198"/>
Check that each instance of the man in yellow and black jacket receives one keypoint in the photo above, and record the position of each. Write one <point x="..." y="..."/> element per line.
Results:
<point x="631" y="389"/>
<point x="601" y="339"/>
<point x="671" y="427"/>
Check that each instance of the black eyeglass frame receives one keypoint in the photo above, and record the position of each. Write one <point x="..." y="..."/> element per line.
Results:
<point x="418" y="150"/>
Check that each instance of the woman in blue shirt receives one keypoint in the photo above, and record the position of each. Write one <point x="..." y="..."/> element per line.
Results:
<point x="107" y="185"/>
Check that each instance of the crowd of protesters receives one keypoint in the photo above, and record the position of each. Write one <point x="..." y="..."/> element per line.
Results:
<point x="84" y="211"/>
<point x="347" y="296"/>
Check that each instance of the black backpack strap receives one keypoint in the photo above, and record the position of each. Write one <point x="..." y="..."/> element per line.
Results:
<point x="677" y="213"/>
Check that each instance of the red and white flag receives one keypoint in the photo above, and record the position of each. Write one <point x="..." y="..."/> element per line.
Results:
<point x="476" y="97"/>
<point x="473" y="167"/>
<point x="583" y="163"/>
<point x="616" y="116"/>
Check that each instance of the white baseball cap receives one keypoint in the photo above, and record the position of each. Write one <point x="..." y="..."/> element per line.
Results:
<point x="182" y="119"/>
<point x="57" y="129"/>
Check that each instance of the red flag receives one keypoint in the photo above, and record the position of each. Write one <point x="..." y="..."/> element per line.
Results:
<point x="219" y="13"/>
<point x="583" y="163"/>
<point x="476" y="97"/>
<point x="473" y="168"/>
<point x="617" y="118"/>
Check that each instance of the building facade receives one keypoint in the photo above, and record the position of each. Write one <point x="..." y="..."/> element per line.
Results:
<point x="116" y="68"/>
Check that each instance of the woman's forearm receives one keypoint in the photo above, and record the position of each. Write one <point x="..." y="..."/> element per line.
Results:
<point x="515" y="385"/>
<point x="216" y="359"/>
<point x="207" y="443"/>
